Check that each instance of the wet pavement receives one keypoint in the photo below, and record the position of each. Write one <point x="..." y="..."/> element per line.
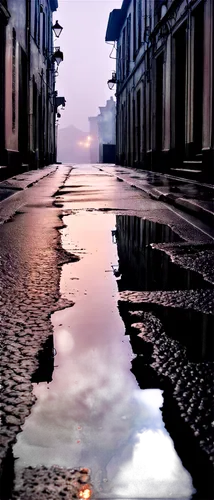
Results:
<point x="102" y="401"/>
<point x="93" y="412"/>
<point x="29" y="282"/>
<point x="192" y="197"/>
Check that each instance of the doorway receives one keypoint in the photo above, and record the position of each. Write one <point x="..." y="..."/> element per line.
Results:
<point x="139" y="126"/>
<point x="35" y="122"/>
<point x="180" y="89"/>
<point x="198" y="76"/>
<point x="2" y="90"/>
<point x="23" y="106"/>
<point x="133" y="128"/>
<point x="129" y="129"/>
<point x="159" y="101"/>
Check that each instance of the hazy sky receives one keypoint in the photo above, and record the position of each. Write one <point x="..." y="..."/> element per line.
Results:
<point x="86" y="67"/>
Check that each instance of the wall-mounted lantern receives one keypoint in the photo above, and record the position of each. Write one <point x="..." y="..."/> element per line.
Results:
<point x="111" y="83"/>
<point x="58" y="56"/>
<point x="57" y="29"/>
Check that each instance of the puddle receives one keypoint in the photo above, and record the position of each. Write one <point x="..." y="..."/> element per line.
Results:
<point x="145" y="268"/>
<point x="93" y="414"/>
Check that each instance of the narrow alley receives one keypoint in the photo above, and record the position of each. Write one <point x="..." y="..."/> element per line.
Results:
<point x="106" y="340"/>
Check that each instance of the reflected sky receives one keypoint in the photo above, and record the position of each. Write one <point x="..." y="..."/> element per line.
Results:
<point x="93" y="413"/>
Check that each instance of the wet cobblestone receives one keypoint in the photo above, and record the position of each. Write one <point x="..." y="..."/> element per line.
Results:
<point x="196" y="257"/>
<point x="200" y="300"/>
<point x="31" y="259"/>
<point x="52" y="483"/>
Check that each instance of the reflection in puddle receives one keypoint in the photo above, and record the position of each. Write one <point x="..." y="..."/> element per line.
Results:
<point x="144" y="268"/>
<point x="93" y="414"/>
<point x="191" y="328"/>
<point x="45" y="368"/>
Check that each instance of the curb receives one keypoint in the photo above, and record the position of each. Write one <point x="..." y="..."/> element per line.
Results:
<point x="195" y="208"/>
<point x="16" y="189"/>
<point x="187" y="205"/>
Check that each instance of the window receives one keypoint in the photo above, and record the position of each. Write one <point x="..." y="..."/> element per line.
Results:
<point x="138" y="131"/>
<point x="14" y="81"/>
<point x="44" y="33"/>
<point x="34" y="114"/>
<point x="129" y="128"/>
<point x="139" y="24"/>
<point x="134" y="29"/>
<point x="128" y="45"/>
<point x="49" y="32"/>
<point x="123" y="53"/>
<point x="37" y="23"/>
<point x="146" y="19"/>
<point x="133" y="127"/>
<point x="149" y="117"/>
<point x="119" y="75"/>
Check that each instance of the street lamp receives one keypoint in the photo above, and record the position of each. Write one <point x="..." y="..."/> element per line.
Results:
<point x="57" y="29"/>
<point x="112" y="81"/>
<point x="58" y="56"/>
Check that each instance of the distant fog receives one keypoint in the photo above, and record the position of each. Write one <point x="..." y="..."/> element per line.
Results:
<point x="86" y="67"/>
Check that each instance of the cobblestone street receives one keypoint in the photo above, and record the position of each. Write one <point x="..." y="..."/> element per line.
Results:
<point x="97" y="274"/>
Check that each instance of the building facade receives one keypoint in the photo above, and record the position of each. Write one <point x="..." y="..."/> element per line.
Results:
<point x="94" y="134"/>
<point x="27" y="84"/>
<point x="106" y="127"/>
<point x="165" y="85"/>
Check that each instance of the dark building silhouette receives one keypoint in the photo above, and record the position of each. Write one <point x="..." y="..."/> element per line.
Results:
<point x="27" y="84"/>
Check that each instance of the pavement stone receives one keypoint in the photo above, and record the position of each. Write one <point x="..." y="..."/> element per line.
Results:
<point x="202" y="204"/>
<point x="22" y="181"/>
<point x="197" y="257"/>
<point x="42" y="483"/>
<point x="199" y="300"/>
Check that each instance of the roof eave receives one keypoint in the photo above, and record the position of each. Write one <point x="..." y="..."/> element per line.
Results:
<point x="115" y="22"/>
<point x="54" y="5"/>
<point x="113" y="26"/>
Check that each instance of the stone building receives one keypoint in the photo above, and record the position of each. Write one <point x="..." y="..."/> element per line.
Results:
<point x="27" y="84"/>
<point x="107" y="127"/>
<point x="165" y="82"/>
